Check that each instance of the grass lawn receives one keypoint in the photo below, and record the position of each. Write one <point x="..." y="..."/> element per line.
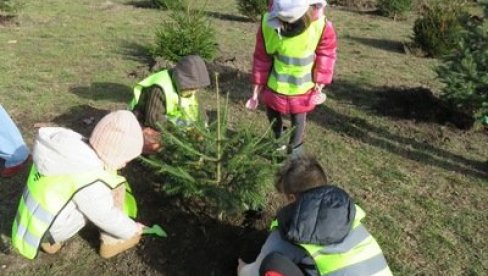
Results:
<point x="421" y="180"/>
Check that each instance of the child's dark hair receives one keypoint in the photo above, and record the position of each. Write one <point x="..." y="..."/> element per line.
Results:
<point x="299" y="175"/>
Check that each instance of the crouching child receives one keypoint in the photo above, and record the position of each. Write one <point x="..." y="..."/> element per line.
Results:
<point x="320" y="230"/>
<point x="73" y="181"/>
<point x="169" y="95"/>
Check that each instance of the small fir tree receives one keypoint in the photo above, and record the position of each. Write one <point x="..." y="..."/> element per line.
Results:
<point x="230" y="171"/>
<point x="252" y="8"/>
<point x="439" y="29"/>
<point x="465" y="71"/>
<point x="394" y="8"/>
<point x="188" y="33"/>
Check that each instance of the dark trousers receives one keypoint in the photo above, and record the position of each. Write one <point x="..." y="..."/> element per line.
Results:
<point x="297" y="122"/>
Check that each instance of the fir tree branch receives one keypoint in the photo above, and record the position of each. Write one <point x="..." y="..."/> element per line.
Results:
<point x="188" y="148"/>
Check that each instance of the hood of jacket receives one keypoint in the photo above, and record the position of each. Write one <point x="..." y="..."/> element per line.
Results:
<point x="60" y="151"/>
<point x="321" y="216"/>
<point x="190" y="73"/>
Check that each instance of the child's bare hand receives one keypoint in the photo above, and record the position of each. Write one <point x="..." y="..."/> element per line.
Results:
<point x="240" y="264"/>
<point x="252" y="103"/>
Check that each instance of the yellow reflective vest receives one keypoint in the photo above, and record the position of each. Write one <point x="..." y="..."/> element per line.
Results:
<point x="45" y="197"/>
<point x="293" y="57"/>
<point x="179" y="110"/>
<point x="357" y="254"/>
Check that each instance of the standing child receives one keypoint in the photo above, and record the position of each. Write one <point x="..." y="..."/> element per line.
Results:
<point x="320" y="230"/>
<point x="294" y="59"/>
<point x="13" y="151"/>
<point x="73" y="181"/>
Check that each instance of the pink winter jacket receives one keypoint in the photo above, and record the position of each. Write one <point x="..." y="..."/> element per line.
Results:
<point x="322" y="72"/>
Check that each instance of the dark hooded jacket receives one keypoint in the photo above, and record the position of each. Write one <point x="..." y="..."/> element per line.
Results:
<point x="189" y="73"/>
<point x="321" y="216"/>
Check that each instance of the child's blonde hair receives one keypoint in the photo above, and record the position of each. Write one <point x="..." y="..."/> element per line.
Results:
<point x="299" y="175"/>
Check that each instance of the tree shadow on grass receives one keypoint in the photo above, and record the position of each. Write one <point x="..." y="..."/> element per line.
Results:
<point x="144" y="4"/>
<point x="137" y="51"/>
<point x="232" y="81"/>
<point x="196" y="244"/>
<point x="81" y="119"/>
<point x="10" y="193"/>
<point x="229" y="17"/>
<point x="409" y="148"/>
<point x="104" y="91"/>
<point x="8" y="20"/>
<point x="383" y="44"/>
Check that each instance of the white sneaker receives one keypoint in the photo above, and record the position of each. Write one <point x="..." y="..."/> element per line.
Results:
<point x="282" y="148"/>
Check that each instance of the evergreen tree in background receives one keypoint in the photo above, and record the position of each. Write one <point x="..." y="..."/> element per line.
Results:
<point x="230" y="171"/>
<point x="252" y="8"/>
<point x="187" y="32"/>
<point x="465" y="71"/>
<point x="9" y="7"/>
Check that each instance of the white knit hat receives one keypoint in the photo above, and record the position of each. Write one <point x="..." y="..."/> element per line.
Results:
<point x="290" y="11"/>
<point x="117" y="139"/>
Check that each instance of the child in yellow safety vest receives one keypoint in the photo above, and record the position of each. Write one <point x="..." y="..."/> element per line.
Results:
<point x="319" y="231"/>
<point x="169" y="95"/>
<point x="74" y="181"/>
<point x="293" y="61"/>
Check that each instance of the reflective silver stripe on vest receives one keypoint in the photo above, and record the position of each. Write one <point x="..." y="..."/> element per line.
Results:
<point x="36" y="209"/>
<point x="367" y="267"/>
<point x="296" y="61"/>
<point x="355" y="237"/>
<point x="292" y="79"/>
<point x="27" y="236"/>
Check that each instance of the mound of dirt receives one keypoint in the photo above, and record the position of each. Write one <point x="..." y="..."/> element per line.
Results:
<point x="421" y="105"/>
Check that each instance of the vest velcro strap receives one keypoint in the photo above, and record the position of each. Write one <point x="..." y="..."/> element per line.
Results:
<point x="35" y="208"/>
<point x="369" y="266"/>
<point x="296" y="61"/>
<point x="293" y="79"/>
<point x="355" y="237"/>
<point x="27" y="236"/>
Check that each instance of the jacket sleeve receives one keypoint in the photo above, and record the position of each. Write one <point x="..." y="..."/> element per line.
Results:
<point x="325" y="56"/>
<point x="97" y="204"/>
<point x="262" y="62"/>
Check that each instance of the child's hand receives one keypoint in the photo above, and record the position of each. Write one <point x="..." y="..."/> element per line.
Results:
<point x="240" y="264"/>
<point x="319" y="86"/>
<point x="318" y="96"/>
<point x="252" y="103"/>
<point x="140" y="228"/>
<point x="152" y="139"/>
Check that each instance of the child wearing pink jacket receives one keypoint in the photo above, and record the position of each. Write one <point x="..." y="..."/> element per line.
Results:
<point x="291" y="18"/>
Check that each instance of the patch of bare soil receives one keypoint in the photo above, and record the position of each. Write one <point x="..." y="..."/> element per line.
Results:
<point x="421" y="105"/>
<point x="197" y="244"/>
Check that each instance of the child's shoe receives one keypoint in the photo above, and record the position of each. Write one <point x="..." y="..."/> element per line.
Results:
<point x="51" y="248"/>
<point x="110" y="247"/>
<point x="11" y="171"/>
